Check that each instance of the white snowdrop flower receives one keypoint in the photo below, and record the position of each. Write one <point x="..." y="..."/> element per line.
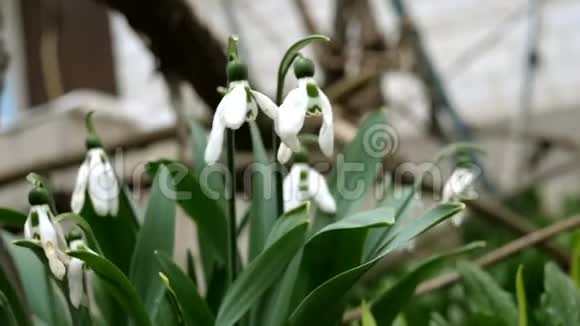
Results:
<point x="458" y="187"/>
<point x="303" y="183"/>
<point x="304" y="101"/>
<point x="78" y="280"/>
<point x="238" y="105"/>
<point x="96" y="177"/>
<point x="40" y="226"/>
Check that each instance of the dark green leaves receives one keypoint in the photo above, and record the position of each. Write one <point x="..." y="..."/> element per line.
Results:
<point x="117" y="284"/>
<point x="562" y="298"/>
<point x="286" y="239"/>
<point x="357" y="169"/>
<point x="263" y="212"/>
<point x="194" y="310"/>
<point x="335" y="289"/>
<point x="487" y="299"/>
<point x="9" y="217"/>
<point x="156" y="234"/>
<point x="196" y="202"/>
<point x="386" y="307"/>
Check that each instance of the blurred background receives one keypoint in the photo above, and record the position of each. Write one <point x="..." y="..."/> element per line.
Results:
<point x="503" y="74"/>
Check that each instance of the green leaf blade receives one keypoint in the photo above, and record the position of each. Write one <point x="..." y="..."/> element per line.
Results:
<point x="286" y="239"/>
<point x="388" y="305"/>
<point x="117" y="284"/>
<point x="156" y="234"/>
<point x="194" y="309"/>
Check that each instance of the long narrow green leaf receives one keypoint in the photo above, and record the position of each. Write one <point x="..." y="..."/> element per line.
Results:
<point x="263" y="212"/>
<point x="117" y="284"/>
<point x="6" y="313"/>
<point x="488" y="299"/>
<point x="12" y="218"/>
<point x="156" y="234"/>
<point x="328" y="296"/>
<point x="115" y="235"/>
<point x="400" y="202"/>
<point x="363" y="160"/>
<point x="213" y="268"/>
<point x="37" y="288"/>
<point x="11" y="286"/>
<point x="382" y="216"/>
<point x="388" y="305"/>
<point x="286" y="239"/>
<point x="204" y="211"/>
<point x="277" y="309"/>
<point x="194" y="309"/>
<point x="521" y="297"/>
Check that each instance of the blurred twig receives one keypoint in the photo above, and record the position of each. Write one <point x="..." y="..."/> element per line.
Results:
<point x="504" y="252"/>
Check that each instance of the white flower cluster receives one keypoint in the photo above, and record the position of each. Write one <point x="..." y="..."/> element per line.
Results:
<point x="240" y="104"/>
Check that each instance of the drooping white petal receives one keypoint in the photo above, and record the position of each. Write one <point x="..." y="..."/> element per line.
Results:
<point x="318" y="190"/>
<point x="326" y="135"/>
<point x="103" y="185"/>
<point x="293" y="197"/>
<point x="215" y="139"/>
<point x="457" y="184"/>
<point x="266" y="104"/>
<point x="79" y="192"/>
<point x="75" y="281"/>
<point x="291" y="116"/>
<point x="234" y="105"/>
<point x="48" y="239"/>
<point x="284" y="153"/>
<point x="28" y="226"/>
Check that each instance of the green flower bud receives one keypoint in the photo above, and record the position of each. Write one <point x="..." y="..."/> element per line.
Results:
<point x="303" y="67"/>
<point x="237" y="71"/>
<point x="38" y="196"/>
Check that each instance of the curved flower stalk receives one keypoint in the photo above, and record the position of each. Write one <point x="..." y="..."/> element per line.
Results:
<point x="239" y="104"/>
<point x="304" y="183"/>
<point x="97" y="178"/>
<point x="460" y="186"/>
<point x="40" y="226"/>
<point x="306" y="100"/>
<point x="80" y="289"/>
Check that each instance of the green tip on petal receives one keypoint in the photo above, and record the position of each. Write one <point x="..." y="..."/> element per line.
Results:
<point x="237" y="71"/>
<point x="92" y="140"/>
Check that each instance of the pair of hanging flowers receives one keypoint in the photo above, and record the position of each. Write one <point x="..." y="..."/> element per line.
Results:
<point x="241" y="103"/>
<point x="41" y="227"/>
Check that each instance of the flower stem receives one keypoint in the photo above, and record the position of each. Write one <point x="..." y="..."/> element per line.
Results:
<point x="278" y="173"/>
<point x="232" y="251"/>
